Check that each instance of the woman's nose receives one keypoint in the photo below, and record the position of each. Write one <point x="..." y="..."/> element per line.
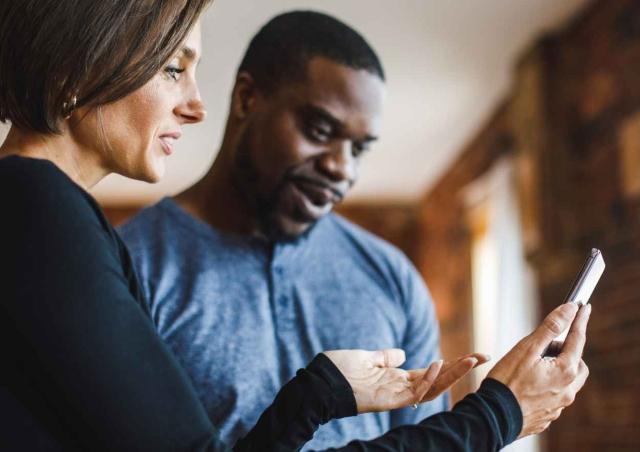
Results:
<point x="192" y="111"/>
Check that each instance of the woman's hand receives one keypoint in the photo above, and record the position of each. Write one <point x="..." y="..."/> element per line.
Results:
<point x="378" y="384"/>
<point x="451" y="373"/>
<point x="545" y="386"/>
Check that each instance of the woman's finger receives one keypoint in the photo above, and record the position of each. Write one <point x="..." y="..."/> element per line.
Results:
<point x="425" y="384"/>
<point x="481" y="358"/>
<point x="451" y="376"/>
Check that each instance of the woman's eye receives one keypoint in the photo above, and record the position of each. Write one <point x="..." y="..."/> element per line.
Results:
<point x="173" y="72"/>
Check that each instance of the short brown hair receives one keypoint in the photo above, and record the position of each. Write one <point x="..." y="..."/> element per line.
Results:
<point x="96" y="51"/>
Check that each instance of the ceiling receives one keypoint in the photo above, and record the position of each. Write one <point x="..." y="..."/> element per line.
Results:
<point x="448" y="64"/>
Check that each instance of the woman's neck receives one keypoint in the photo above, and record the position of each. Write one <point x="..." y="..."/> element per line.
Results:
<point x="83" y="166"/>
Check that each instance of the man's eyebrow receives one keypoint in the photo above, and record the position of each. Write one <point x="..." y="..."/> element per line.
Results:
<point x="325" y="115"/>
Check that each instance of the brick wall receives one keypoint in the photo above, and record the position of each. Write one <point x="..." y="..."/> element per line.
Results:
<point x="573" y="119"/>
<point x="444" y="257"/>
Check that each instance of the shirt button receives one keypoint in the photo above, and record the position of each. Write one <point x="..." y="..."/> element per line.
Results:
<point x="283" y="299"/>
<point x="278" y="270"/>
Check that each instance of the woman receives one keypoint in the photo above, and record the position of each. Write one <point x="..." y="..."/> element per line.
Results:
<point x="93" y="88"/>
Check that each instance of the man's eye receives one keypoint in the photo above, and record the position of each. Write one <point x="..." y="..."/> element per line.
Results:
<point x="359" y="148"/>
<point x="319" y="133"/>
<point x="173" y="72"/>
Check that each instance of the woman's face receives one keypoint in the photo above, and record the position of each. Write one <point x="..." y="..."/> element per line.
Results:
<point x="134" y="135"/>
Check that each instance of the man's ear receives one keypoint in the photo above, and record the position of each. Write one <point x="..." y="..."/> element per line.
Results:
<point x="244" y="95"/>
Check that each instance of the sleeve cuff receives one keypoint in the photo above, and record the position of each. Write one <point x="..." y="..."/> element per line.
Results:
<point x="511" y="413"/>
<point x="343" y="401"/>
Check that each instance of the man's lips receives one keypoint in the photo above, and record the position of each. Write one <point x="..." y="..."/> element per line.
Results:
<point x="306" y="209"/>
<point x="319" y="193"/>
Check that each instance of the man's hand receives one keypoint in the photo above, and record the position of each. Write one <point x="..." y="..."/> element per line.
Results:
<point x="378" y="384"/>
<point x="545" y="386"/>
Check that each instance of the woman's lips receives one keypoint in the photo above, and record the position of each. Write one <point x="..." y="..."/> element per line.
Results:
<point x="167" y="145"/>
<point x="167" y="141"/>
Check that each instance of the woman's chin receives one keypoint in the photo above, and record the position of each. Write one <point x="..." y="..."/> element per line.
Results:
<point x="155" y="171"/>
<point x="150" y="175"/>
<point x="155" y="177"/>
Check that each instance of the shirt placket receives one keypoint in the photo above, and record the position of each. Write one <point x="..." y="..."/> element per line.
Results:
<point x="281" y="292"/>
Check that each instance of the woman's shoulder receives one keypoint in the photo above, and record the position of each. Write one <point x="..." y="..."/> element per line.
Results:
<point x="37" y="192"/>
<point x="39" y="181"/>
<point x="25" y="174"/>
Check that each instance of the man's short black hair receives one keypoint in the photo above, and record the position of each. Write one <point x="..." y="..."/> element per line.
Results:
<point x="282" y="48"/>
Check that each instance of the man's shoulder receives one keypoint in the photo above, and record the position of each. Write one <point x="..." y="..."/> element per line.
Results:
<point x="365" y="253"/>
<point x="143" y="219"/>
<point x="153" y="229"/>
<point x="161" y="222"/>
<point x="361" y="241"/>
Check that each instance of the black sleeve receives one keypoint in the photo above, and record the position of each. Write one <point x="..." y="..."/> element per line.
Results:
<point x="316" y="395"/>
<point x="83" y="356"/>
<point x="83" y="365"/>
<point x="83" y="362"/>
<point x="486" y="420"/>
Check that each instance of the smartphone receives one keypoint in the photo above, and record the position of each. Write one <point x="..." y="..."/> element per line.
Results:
<point x="587" y="279"/>
<point x="583" y="286"/>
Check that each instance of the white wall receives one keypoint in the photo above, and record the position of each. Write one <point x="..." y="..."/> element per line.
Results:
<point x="448" y="64"/>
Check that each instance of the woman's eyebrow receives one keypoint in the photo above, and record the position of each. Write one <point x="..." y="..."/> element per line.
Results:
<point x="189" y="53"/>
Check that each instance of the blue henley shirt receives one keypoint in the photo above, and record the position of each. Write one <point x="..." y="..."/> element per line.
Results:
<point x="242" y="315"/>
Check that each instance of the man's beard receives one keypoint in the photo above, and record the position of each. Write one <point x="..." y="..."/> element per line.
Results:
<point x="264" y="208"/>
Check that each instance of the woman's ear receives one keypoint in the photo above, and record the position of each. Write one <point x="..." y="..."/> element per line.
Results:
<point x="244" y="96"/>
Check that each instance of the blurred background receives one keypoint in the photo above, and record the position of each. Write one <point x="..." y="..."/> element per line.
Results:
<point x="511" y="147"/>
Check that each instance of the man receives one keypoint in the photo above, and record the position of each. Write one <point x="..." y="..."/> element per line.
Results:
<point x="247" y="273"/>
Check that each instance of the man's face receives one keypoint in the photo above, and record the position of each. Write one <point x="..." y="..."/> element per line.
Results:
<point x="301" y="146"/>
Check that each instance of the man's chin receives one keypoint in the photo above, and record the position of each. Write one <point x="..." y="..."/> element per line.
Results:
<point x="289" y="230"/>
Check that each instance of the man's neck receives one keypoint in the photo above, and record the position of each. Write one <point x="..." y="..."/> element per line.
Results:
<point x="217" y="201"/>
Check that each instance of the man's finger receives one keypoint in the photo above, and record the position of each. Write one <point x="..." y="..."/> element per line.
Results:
<point x="552" y="326"/>
<point x="574" y="343"/>
<point x="390" y="357"/>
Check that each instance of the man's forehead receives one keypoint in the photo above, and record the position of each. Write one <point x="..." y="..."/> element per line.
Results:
<point x="335" y="85"/>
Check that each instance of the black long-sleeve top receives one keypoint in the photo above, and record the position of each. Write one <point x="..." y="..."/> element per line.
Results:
<point x="84" y="369"/>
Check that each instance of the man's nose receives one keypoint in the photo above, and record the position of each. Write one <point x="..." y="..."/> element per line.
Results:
<point x="338" y="163"/>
